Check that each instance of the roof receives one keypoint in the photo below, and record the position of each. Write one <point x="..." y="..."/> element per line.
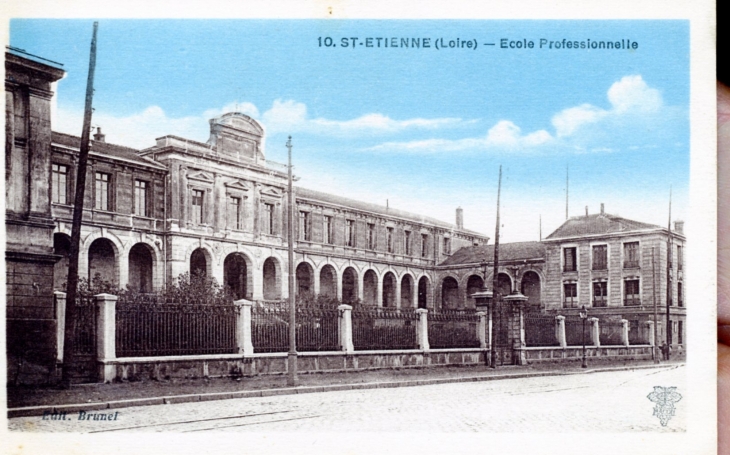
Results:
<point x="507" y="252"/>
<point x="104" y="148"/>
<point x="374" y="208"/>
<point x="599" y="224"/>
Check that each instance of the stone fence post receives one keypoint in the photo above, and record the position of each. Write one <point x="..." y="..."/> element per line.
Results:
<point x="625" y="332"/>
<point x="650" y="332"/>
<point x="243" y="327"/>
<point x="60" y="299"/>
<point x="595" y="331"/>
<point x="422" y="329"/>
<point x="344" y="327"/>
<point x="106" y="329"/>
<point x="482" y="330"/>
<point x="560" y="331"/>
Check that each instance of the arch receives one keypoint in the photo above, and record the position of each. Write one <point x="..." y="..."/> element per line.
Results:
<point x="370" y="287"/>
<point x="349" y="285"/>
<point x="449" y="293"/>
<point x="504" y="284"/>
<point x="237" y="275"/>
<point x="328" y="281"/>
<point x="141" y="266"/>
<point x="389" y="288"/>
<point x="406" y="291"/>
<point x="305" y="279"/>
<point x="272" y="279"/>
<point x="424" y="290"/>
<point x="530" y="287"/>
<point x="61" y="247"/>
<point x="200" y="262"/>
<point x="474" y="283"/>
<point x="103" y="260"/>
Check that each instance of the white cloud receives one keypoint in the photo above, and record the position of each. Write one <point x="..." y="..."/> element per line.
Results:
<point x="632" y="93"/>
<point x="569" y="120"/>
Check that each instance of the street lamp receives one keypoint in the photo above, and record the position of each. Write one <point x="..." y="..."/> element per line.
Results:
<point x="584" y="315"/>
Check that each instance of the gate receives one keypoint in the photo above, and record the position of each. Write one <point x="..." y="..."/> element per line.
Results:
<point x="503" y="343"/>
<point x="84" y="367"/>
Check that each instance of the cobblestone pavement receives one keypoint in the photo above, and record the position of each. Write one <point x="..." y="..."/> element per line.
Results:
<point x="611" y="402"/>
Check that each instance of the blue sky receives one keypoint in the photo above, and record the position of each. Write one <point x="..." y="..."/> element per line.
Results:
<point x="425" y="129"/>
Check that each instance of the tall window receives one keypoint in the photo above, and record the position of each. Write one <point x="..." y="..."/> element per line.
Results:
<point x="424" y="245"/>
<point x="59" y="183"/>
<point x="304" y="231"/>
<point x="197" y="202"/>
<point x="350" y="232"/>
<point x="631" y="292"/>
<point x="140" y="198"/>
<point x="570" y="263"/>
<point x="389" y="239"/>
<point x="680" y="259"/>
<point x="631" y="255"/>
<point x="268" y="219"/>
<point x="371" y="236"/>
<point x="328" y="230"/>
<point x="101" y="191"/>
<point x="600" y="293"/>
<point x="447" y="245"/>
<point x="680" y="329"/>
<point x="570" y="295"/>
<point x="234" y="212"/>
<point x="680" y="296"/>
<point x="600" y="257"/>
<point x="407" y="241"/>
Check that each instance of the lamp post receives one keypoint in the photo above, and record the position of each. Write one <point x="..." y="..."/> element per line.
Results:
<point x="584" y="315"/>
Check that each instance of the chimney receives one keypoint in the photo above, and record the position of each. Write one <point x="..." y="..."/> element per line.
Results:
<point x="459" y="218"/>
<point x="679" y="227"/>
<point x="586" y="210"/>
<point x="98" y="136"/>
<point x="602" y="212"/>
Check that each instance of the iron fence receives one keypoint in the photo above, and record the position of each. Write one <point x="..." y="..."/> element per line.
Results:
<point x="316" y="328"/>
<point x="85" y="326"/>
<point x="574" y="332"/>
<point x="610" y="333"/>
<point x="376" y="328"/>
<point x="636" y="334"/>
<point x="145" y="327"/>
<point x="453" y="329"/>
<point x="540" y="330"/>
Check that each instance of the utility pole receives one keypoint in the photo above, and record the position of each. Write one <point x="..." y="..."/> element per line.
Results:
<point x="656" y="315"/>
<point x="292" y="379"/>
<point x="668" y="329"/>
<point x="493" y="309"/>
<point x="73" y="265"/>
<point x="567" y="188"/>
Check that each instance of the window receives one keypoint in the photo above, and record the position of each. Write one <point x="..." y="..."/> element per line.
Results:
<point x="59" y="183"/>
<point x="680" y="296"/>
<point x="304" y="231"/>
<point x="140" y="198"/>
<point x="424" y="245"/>
<point x="570" y="295"/>
<point x="234" y="212"/>
<point x="569" y="260"/>
<point x="447" y="245"/>
<point x="407" y="240"/>
<point x="680" y="335"/>
<point x="631" y="292"/>
<point x="371" y="236"/>
<point x="389" y="239"/>
<point x="350" y="232"/>
<point x="631" y="255"/>
<point x="328" y="237"/>
<point x="600" y="257"/>
<point x="680" y="259"/>
<point x="197" y="202"/>
<point x="101" y="191"/>
<point x="600" y="293"/>
<point x="268" y="219"/>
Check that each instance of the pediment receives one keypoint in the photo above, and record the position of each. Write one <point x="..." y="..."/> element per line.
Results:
<point x="238" y="185"/>
<point x="201" y="176"/>
<point x="272" y="192"/>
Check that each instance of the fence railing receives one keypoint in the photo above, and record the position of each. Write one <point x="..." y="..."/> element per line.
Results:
<point x="85" y="326"/>
<point x="376" y="328"/>
<point x="453" y="329"/>
<point x="637" y="335"/>
<point x="316" y="328"/>
<point x="540" y="330"/>
<point x="164" y="329"/>
<point x="574" y="332"/>
<point x="611" y="333"/>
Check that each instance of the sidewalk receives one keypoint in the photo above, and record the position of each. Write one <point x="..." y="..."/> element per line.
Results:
<point x="26" y="401"/>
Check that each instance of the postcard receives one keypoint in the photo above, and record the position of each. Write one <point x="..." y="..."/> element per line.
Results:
<point x="353" y="228"/>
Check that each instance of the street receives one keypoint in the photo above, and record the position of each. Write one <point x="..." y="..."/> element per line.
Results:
<point x="608" y="402"/>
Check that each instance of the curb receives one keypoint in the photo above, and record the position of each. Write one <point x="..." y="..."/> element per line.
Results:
<point x="30" y="411"/>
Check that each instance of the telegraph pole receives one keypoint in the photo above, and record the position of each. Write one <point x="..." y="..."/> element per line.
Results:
<point x="656" y="316"/>
<point x="73" y="265"/>
<point x="292" y="379"/>
<point x="668" y="329"/>
<point x="495" y="283"/>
